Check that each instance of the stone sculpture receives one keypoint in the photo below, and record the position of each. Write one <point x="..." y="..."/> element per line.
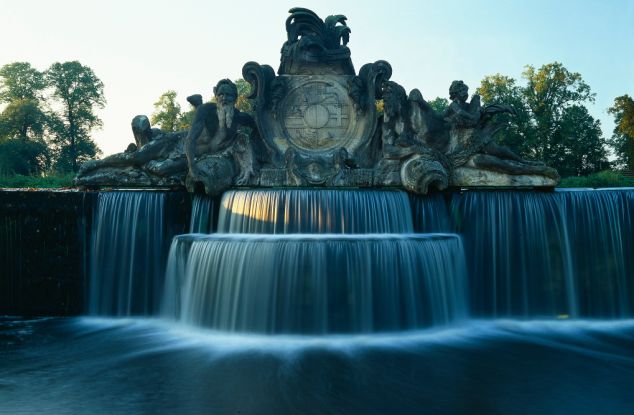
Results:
<point x="217" y="149"/>
<point x="156" y="159"/>
<point x="315" y="47"/>
<point x="315" y="123"/>
<point x="455" y="148"/>
<point x="471" y="145"/>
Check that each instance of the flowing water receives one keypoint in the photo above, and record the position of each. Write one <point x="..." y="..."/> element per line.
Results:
<point x="126" y="270"/>
<point x="536" y="254"/>
<point x="315" y="261"/>
<point x="135" y="366"/>
<point x="203" y="212"/>
<point x="315" y="211"/>
<point x="319" y="302"/>
<point x="310" y="283"/>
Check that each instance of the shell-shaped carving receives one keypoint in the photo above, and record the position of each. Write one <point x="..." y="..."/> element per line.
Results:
<point x="422" y="172"/>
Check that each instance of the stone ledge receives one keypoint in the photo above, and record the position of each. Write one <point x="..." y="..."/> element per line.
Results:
<point x="470" y="177"/>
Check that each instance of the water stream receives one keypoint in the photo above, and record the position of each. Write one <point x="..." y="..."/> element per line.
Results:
<point x="127" y="256"/>
<point x="347" y="302"/>
<point x="316" y="283"/>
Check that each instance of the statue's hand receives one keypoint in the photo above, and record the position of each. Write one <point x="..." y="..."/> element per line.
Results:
<point x="244" y="177"/>
<point x="194" y="171"/>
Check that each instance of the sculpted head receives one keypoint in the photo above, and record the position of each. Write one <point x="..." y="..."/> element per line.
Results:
<point x="394" y="98"/>
<point x="458" y="91"/>
<point x="226" y="92"/>
<point x="142" y="130"/>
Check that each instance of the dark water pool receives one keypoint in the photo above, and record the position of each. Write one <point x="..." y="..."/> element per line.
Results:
<point x="95" y="366"/>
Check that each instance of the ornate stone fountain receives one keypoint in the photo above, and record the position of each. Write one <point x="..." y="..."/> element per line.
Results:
<point x="304" y="242"/>
<point x="315" y="124"/>
<point x="312" y="291"/>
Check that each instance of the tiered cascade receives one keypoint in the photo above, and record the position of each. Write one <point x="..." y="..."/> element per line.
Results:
<point x="349" y="261"/>
<point x="315" y="261"/>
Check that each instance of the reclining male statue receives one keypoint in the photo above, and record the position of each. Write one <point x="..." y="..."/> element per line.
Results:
<point x="213" y="151"/>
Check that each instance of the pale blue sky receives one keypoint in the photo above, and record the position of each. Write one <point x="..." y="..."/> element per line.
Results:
<point x="140" y="49"/>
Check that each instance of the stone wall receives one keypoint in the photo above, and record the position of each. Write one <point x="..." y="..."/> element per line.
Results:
<point x="44" y="249"/>
<point x="43" y="241"/>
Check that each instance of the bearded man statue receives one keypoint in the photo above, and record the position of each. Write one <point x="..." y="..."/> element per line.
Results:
<point x="215" y="141"/>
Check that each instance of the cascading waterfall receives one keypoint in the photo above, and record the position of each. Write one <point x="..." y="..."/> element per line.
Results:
<point x="601" y="235"/>
<point x="528" y="254"/>
<point x="315" y="211"/>
<point x="290" y="297"/>
<point x="533" y="254"/>
<point x="310" y="283"/>
<point x="315" y="261"/>
<point x="128" y="253"/>
<point x="202" y="219"/>
<point x="339" y="314"/>
<point x="430" y="213"/>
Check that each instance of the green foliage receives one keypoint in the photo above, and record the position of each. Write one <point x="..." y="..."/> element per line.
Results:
<point x="622" y="140"/>
<point x="77" y="92"/>
<point x="578" y="148"/>
<point x="518" y="135"/>
<point x="21" y="88"/>
<point x="606" y="178"/>
<point x="185" y="120"/>
<point x="50" y="181"/>
<point x="552" y="123"/>
<point x="20" y="81"/>
<point x="439" y="104"/>
<point x="552" y="88"/>
<point x="69" y="157"/>
<point x="25" y="157"/>
<point x="167" y="112"/>
<point x="169" y="116"/>
<point x="244" y="89"/>
<point x="23" y="119"/>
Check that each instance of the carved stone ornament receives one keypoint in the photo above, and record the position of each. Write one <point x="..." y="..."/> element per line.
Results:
<point x="315" y="123"/>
